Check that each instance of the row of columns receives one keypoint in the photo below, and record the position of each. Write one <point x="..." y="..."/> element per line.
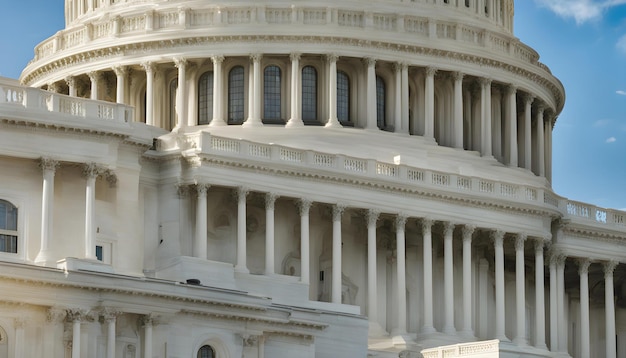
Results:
<point x="509" y="153"/>
<point x="91" y="171"/>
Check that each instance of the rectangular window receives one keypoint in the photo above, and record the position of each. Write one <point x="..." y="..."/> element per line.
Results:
<point x="99" y="253"/>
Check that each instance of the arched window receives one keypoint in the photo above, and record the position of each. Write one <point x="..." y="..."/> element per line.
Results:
<point x="381" y="97"/>
<point x="235" y="95"/>
<point x="343" y="97"/>
<point x="205" y="98"/>
<point x="173" y="90"/>
<point x="206" y="352"/>
<point x="271" y="93"/>
<point x="309" y="94"/>
<point x="8" y="227"/>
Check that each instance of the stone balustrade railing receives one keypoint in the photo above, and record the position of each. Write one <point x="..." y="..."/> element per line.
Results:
<point x="590" y="213"/>
<point x="483" y="349"/>
<point x="169" y="17"/>
<point x="16" y="96"/>
<point x="375" y="171"/>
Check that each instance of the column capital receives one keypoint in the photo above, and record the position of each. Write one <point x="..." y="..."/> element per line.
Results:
<point x="372" y="216"/>
<point x="20" y="322"/>
<point x="241" y="192"/>
<point x="217" y="59"/>
<point x="583" y="266"/>
<point x="338" y="211"/>
<point x="110" y="314"/>
<point x="540" y="244"/>
<point x="401" y="221"/>
<point x="427" y="223"/>
<point x="250" y="340"/>
<point x="448" y="228"/>
<point x="304" y="206"/>
<point x="180" y="62"/>
<point x="609" y="267"/>
<point x="94" y="76"/>
<point x="458" y="76"/>
<point x="182" y="190"/>
<point x="369" y="62"/>
<point x="468" y="231"/>
<point x="202" y="188"/>
<point x="93" y="170"/>
<point x="55" y="315"/>
<point x="270" y="200"/>
<point x="511" y="89"/>
<point x="256" y="57"/>
<point x="485" y="81"/>
<point x="332" y="57"/>
<point x="295" y="56"/>
<point x="557" y="258"/>
<point x="519" y="241"/>
<point x="75" y="314"/>
<point x="400" y="66"/>
<point x="498" y="237"/>
<point x="430" y="71"/>
<point x="120" y="70"/>
<point x="70" y="81"/>
<point x="147" y="320"/>
<point x="541" y="107"/>
<point x="48" y="164"/>
<point x="148" y="66"/>
<point x="528" y="99"/>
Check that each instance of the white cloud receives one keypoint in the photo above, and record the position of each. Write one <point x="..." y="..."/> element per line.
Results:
<point x="580" y="10"/>
<point x="611" y="140"/>
<point x="621" y="93"/>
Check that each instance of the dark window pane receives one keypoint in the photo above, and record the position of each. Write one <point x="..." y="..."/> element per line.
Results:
<point x="343" y="97"/>
<point x="235" y="95"/>
<point x="271" y="92"/>
<point x="99" y="252"/>
<point x="205" y="98"/>
<point x="309" y="94"/>
<point x="206" y="352"/>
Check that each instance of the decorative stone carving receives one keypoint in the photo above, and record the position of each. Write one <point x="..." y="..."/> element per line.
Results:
<point x="498" y="237"/>
<point x="338" y="211"/>
<point x="583" y="266"/>
<point x="372" y="217"/>
<point x="519" y="241"/>
<point x="609" y="267"/>
<point x="48" y="164"/>
<point x="401" y="221"/>
<point x="304" y="206"/>
<point x="93" y="170"/>
<point x="468" y="231"/>
<point x="270" y="200"/>
<point x="55" y="315"/>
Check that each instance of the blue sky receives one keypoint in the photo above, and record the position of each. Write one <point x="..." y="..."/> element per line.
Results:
<point x="582" y="41"/>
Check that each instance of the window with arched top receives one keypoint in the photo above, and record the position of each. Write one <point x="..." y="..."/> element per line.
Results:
<point x="343" y="96"/>
<point x="206" y="351"/>
<point x="271" y="93"/>
<point x="8" y="227"/>
<point x="205" y="98"/>
<point x="309" y="94"/>
<point x="381" y="97"/>
<point x="236" y="95"/>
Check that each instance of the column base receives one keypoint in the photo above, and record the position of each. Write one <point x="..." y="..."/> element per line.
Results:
<point x="294" y="123"/>
<point x="241" y="269"/>
<point x="520" y="341"/>
<point x="376" y="330"/>
<point x="252" y="123"/>
<point x="449" y="331"/>
<point x="44" y="258"/>
<point x="333" y="123"/>
<point x="403" y="341"/>
<point x="218" y="123"/>
<point x="428" y="330"/>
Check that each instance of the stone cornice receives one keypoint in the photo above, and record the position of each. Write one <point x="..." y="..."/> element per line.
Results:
<point x="594" y="233"/>
<point x="59" y="63"/>
<point x="387" y="187"/>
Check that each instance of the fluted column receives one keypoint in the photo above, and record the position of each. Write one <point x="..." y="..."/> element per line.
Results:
<point x="304" y="206"/>
<point x="71" y="85"/>
<point x="75" y="317"/>
<point x="218" y="93"/>
<point x="468" y="231"/>
<point x="147" y="322"/>
<point x="332" y="91"/>
<point x="485" y="115"/>
<point x="429" y="103"/>
<point x="540" y="314"/>
<point x="404" y="113"/>
<point x="241" y="266"/>
<point x="609" y="309"/>
<point x="48" y="167"/>
<point x="554" y="316"/>
<point x="200" y="237"/>
<point x="336" y="277"/>
<point x="372" y="288"/>
<point x="397" y="67"/>
<point x="90" y="172"/>
<point x="458" y="110"/>
<point x="181" y="93"/>
<point x="371" y="114"/>
<point x="19" y="323"/>
<point x="528" y="152"/>
<point x="95" y="77"/>
<point x="110" y="317"/>
<point x="254" y="120"/>
<point x="296" y="119"/>
<point x="120" y="73"/>
<point x="560" y="284"/>
<point x="583" y="272"/>
<point x="401" y="273"/>
<point x="448" y="269"/>
<point x="427" y="225"/>
<point x="498" y="243"/>
<point x="149" y="68"/>
<point x="541" y="159"/>
<point x="548" y="148"/>
<point x="270" y="200"/>
<point x="511" y="123"/>
<point x="520" y="291"/>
